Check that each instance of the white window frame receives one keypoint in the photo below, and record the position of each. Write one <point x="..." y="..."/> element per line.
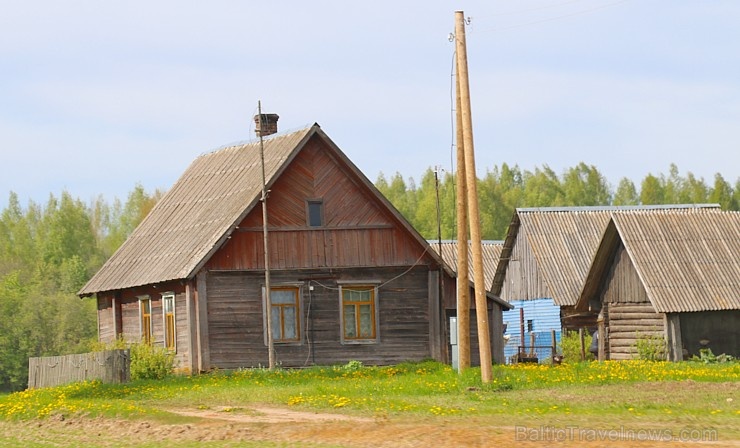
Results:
<point x="376" y="310"/>
<point x="165" y="297"/>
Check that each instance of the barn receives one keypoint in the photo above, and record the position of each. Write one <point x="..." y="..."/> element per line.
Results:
<point x="672" y="276"/>
<point x="544" y="261"/>
<point x="350" y="278"/>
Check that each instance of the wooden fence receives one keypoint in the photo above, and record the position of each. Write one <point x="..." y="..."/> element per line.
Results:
<point x="110" y="366"/>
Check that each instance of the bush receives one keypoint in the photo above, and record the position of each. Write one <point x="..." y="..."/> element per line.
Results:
<point x="651" y="348"/>
<point x="147" y="362"/>
<point x="707" y="357"/>
<point x="151" y="363"/>
<point x="353" y="366"/>
<point x="570" y="346"/>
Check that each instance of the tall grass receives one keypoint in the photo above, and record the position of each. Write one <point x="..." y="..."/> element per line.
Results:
<point x="416" y="388"/>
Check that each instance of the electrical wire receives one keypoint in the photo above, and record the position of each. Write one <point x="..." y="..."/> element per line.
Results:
<point x="553" y="19"/>
<point x="538" y="8"/>
<point x="416" y="263"/>
<point x="309" y="322"/>
<point x="453" y="139"/>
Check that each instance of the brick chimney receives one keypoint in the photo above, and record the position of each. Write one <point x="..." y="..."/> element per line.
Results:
<point x="269" y="121"/>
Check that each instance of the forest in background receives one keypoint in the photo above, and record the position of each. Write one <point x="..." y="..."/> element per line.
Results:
<point x="49" y="251"/>
<point x="505" y="188"/>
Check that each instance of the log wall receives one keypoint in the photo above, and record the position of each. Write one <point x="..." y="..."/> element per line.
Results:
<point x="629" y="315"/>
<point x="236" y="325"/>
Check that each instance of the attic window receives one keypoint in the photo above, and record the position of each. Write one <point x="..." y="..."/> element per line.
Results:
<point x="315" y="212"/>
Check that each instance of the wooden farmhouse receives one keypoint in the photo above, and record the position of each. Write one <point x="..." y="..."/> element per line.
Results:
<point x="491" y="251"/>
<point x="674" y="276"/>
<point x="544" y="262"/>
<point x="350" y="278"/>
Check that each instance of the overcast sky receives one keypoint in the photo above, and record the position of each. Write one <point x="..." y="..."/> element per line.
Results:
<point x="97" y="96"/>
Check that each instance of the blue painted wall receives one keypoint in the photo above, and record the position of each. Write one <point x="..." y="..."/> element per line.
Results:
<point x="545" y="317"/>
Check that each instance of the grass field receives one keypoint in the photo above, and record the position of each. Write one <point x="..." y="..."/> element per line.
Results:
<point x="525" y="403"/>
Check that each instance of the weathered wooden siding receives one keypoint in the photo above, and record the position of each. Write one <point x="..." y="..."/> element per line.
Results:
<point x="629" y="314"/>
<point x="182" y="336"/>
<point x="129" y="318"/>
<point x="496" y="335"/>
<point x="105" y="319"/>
<point x="523" y="280"/>
<point x="627" y="323"/>
<point x="623" y="283"/>
<point x="357" y="230"/>
<point x="236" y="330"/>
<point x="109" y="366"/>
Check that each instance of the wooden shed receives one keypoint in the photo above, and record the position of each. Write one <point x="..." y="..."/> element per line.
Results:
<point x="491" y="251"/>
<point x="350" y="278"/>
<point x="544" y="261"/>
<point x="672" y="275"/>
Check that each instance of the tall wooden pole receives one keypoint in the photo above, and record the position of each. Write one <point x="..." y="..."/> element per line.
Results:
<point x="268" y="298"/>
<point x="463" y="288"/>
<point x="481" y="306"/>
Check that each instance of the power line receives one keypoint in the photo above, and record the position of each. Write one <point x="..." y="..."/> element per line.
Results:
<point x="554" y="19"/>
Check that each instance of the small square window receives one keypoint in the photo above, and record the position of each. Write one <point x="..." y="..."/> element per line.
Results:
<point x="315" y="210"/>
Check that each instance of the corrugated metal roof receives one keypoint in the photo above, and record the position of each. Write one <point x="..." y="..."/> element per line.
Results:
<point x="196" y="214"/>
<point x="205" y="205"/>
<point x="491" y="251"/>
<point x="564" y="241"/>
<point x="686" y="261"/>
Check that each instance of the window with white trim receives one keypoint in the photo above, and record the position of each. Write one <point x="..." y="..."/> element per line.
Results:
<point x="170" y="323"/>
<point x="359" y="313"/>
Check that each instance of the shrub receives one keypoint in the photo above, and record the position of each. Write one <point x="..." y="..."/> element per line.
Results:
<point x="570" y="346"/>
<point x="153" y="363"/>
<point x="708" y="357"/>
<point x="147" y="362"/>
<point x="651" y="348"/>
<point x="353" y="366"/>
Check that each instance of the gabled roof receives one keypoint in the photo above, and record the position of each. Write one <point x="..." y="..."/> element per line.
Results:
<point x="491" y="251"/>
<point x="194" y="218"/>
<point x="685" y="261"/>
<point x="563" y="241"/>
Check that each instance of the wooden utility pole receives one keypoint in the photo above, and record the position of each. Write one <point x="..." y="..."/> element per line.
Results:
<point x="481" y="306"/>
<point x="463" y="288"/>
<point x="268" y="298"/>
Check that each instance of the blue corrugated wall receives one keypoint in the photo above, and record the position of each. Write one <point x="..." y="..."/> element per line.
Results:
<point x="545" y="317"/>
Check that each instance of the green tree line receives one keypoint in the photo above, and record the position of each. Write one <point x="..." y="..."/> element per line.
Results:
<point x="505" y="188"/>
<point x="47" y="253"/>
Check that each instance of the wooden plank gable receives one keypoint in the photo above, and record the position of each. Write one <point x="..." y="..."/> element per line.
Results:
<point x="358" y="230"/>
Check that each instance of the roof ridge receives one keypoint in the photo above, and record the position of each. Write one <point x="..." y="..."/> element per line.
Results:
<point x="256" y="140"/>
<point x="611" y="208"/>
